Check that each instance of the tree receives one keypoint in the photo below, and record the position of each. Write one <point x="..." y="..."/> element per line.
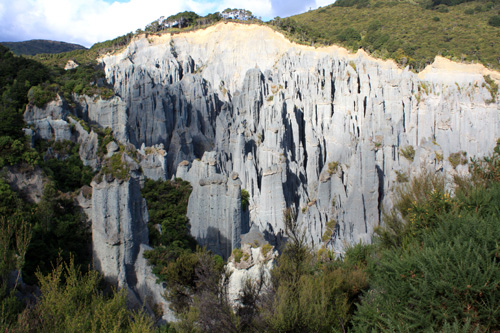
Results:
<point x="72" y="302"/>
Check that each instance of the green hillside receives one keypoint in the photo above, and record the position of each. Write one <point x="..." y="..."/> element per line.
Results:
<point x="411" y="33"/>
<point x="38" y="46"/>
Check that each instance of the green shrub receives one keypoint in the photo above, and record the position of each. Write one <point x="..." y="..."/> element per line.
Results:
<point x="492" y="87"/>
<point x="311" y="295"/>
<point x="237" y="255"/>
<point x="329" y="230"/>
<point x="349" y="35"/>
<point x="266" y="248"/>
<point x="71" y="301"/>
<point x="333" y="167"/>
<point x="42" y="94"/>
<point x="437" y="263"/>
<point x="59" y="231"/>
<point x="245" y="199"/>
<point x="401" y="177"/>
<point x="457" y="158"/>
<point x="408" y="152"/>
<point x="167" y="203"/>
<point x="66" y="168"/>
<point x="442" y="276"/>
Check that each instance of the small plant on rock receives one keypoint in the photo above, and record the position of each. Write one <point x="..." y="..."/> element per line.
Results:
<point x="408" y="152"/>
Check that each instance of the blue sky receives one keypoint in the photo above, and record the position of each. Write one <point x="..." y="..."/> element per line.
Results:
<point x="89" y="21"/>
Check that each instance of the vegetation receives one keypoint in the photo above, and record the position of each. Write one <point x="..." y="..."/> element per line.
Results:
<point x="492" y="87"/>
<point x="408" y="152"/>
<point x="72" y="302"/>
<point x="167" y="207"/>
<point x="245" y="199"/>
<point x="410" y="32"/>
<point x="333" y="167"/>
<point x="61" y="162"/>
<point x="37" y="46"/>
<point x="436" y="266"/>
<point x="458" y="158"/>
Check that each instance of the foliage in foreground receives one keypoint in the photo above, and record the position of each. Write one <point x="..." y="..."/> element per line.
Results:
<point x="73" y="302"/>
<point x="437" y="263"/>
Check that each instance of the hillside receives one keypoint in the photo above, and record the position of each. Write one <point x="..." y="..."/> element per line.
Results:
<point x="404" y="31"/>
<point x="341" y="191"/>
<point x="38" y="46"/>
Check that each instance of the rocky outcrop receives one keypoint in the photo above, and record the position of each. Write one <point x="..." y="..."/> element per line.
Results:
<point x="49" y="122"/>
<point x="119" y="239"/>
<point x="30" y="183"/>
<point x="278" y="114"/>
<point x="214" y="207"/>
<point x="252" y="264"/>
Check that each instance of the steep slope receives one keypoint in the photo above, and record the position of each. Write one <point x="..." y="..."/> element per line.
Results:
<point x="319" y="130"/>
<point x="410" y="32"/>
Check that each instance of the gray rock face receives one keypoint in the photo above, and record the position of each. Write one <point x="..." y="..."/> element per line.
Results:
<point x="279" y="114"/>
<point x="214" y="207"/>
<point x="49" y="121"/>
<point x="119" y="239"/>
<point x="119" y="226"/>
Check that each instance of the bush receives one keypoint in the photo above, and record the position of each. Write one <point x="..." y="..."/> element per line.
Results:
<point x="71" y="301"/>
<point x="59" y="231"/>
<point x="237" y="255"/>
<point x="408" y="152"/>
<point x="437" y="263"/>
<point x="167" y="203"/>
<point x="309" y="294"/>
<point x="41" y="94"/>
<point x="349" y="35"/>
<point x="458" y="158"/>
<point x="448" y="274"/>
<point x="64" y="166"/>
<point x="333" y="167"/>
<point x="245" y="199"/>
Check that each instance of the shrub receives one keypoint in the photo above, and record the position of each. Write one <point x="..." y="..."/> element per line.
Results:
<point x="266" y="248"/>
<point x="408" y="152"/>
<point x="167" y="203"/>
<point x="442" y="276"/>
<point x="401" y="177"/>
<point x="41" y="94"/>
<point x="457" y="158"/>
<point x="245" y="199"/>
<point x="349" y="35"/>
<point x="436" y="259"/>
<point x="329" y="230"/>
<point x="72" y="301"/>
<point x="333" y="167"/>
<point x="492" y="87"/>
<point x="237" y="255"/>
<point x="64" y="166"/>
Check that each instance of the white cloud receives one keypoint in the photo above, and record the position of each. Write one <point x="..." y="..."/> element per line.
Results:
<point x="89" y="21"/>
<point x="322" y="3"/>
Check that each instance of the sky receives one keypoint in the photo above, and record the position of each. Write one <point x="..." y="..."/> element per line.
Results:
<point x="87" y="22"/>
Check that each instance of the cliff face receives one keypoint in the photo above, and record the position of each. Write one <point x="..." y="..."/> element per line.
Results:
<point x="319" y="130"/>
<point x="324" y="132"/>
